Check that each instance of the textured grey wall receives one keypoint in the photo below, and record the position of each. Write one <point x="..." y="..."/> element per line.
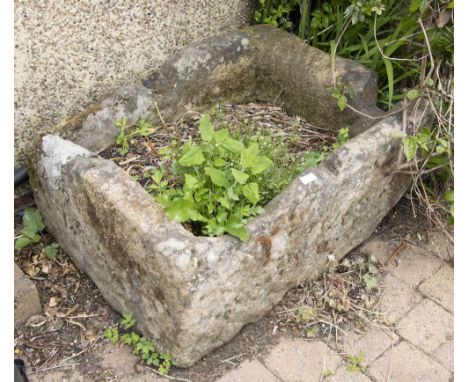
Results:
<point x="70" y="53"/>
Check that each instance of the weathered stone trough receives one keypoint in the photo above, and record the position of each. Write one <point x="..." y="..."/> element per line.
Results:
<point x="192" y="294"/>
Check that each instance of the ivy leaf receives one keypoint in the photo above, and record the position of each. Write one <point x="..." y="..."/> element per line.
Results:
<point x="193" y="157"/>
<point x="239" y="176"/>
<point x="217" y="177"/>
<point x="410" y="147"/>
<point x="250" y="191"/>
<point x="205" y="128"/>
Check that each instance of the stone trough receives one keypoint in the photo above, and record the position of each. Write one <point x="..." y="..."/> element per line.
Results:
<point x="192" y="294"/>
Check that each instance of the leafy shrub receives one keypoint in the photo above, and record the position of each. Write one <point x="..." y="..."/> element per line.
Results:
<point x="410" y="45"/>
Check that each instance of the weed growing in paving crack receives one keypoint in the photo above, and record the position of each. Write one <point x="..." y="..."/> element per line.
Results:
<point x="356" y="363"/>
<point x="142" y="347"/>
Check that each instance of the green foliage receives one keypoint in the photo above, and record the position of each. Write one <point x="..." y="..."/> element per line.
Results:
<point x="341" y="138"/>
<point x="127" y="321"/>
<point x="218" y="182"/>
<point x="142" y="128"/>
<point x="389" y="36"/>
<point x="52" y="251"/>
<point x="33" y="224"/>
<point x="122" y="139"/>
<point x="370" y="281"/>
<point x="112" y="334"/>
<point x="356" y="363"/>
<point x="142" y="347"/>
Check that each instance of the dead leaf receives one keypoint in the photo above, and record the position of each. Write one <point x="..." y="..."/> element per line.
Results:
<point x="73" y="309"/>
<point x="61" y="290"/>
<point x="54" y="301"/>
<point x="45" y="267"/>
<point x="31" y="270"/>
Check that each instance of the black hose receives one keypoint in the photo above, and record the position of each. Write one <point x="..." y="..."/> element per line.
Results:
<point x="21" y="176"/>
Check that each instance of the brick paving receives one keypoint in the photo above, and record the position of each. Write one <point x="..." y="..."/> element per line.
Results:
<point x="418" y="300"/>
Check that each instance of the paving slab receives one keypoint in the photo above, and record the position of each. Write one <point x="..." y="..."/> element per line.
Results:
<point x="439" y="288"/>
<point x="444" y="354"/>
<point x="427" y="326"/>
<point x="438" y="243"/>
<point x="381" y="250"/>
<point x="299" y="360"/>
<point x="343" y="375"/>
<point x="415" y="265"/>
<point x="405" y="363"/>
<point x="249" y="371"/>
<point x="373" y="343"/>
<point x="398" y="298"/>
<point x="27" y="301"/>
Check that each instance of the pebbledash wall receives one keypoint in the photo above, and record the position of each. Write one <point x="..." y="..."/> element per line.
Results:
<point x="70" y="53"/>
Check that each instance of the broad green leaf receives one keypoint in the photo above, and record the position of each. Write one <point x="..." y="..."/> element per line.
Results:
<point x="232" y="194"/>
<point x="250" y="191"/>
<point x="22" y="242"/>
<point x="221" y="136"/>
<point x="261" y="164"/>
<point x="180" y="210"/>
<point x="410" y="147"/>
<point x="238" y="230"/>
<point x="205" y="128"/>
<point x="193" y="157"/>
<point x="249" y="155"/>
<point x="224" y="201"/>
<point x="191" y="182"/>
<point x="232" y="145"/>
<point x="218" y="162"/>
<point x="156" y="175"/>
<point x="217" y="177"/>
<point x="32" y="220"/>
<point x="239" y="176"/>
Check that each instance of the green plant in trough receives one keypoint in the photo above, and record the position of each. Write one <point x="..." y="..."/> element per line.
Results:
<point x="219" y="179"/>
